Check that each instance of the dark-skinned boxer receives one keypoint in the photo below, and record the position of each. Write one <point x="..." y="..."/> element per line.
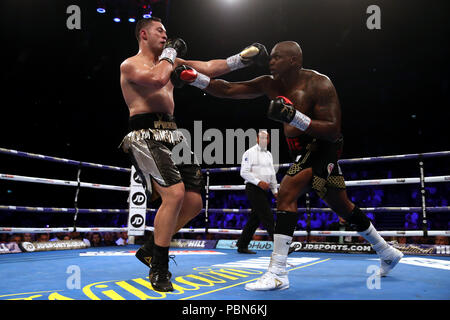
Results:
<point x="153" y="133"/>
<point x="307" y="104"/>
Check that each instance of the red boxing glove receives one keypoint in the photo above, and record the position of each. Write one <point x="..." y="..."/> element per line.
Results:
<point x="188" y="75"/>
<point x="184" y="74"/>
<point x="286" y="100"/>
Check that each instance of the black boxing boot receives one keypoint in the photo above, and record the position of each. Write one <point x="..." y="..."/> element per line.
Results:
<point x="159" y="274"/>
<point x="145" y="253"/>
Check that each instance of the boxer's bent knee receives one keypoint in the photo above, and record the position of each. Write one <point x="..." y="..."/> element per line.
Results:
<point x="194" y="200"/>
<point x="173" y="194"/>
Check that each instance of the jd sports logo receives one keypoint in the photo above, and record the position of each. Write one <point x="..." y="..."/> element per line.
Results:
<point x="137" y="220"/>
<point x="138" y="198"/>
<point x="137" y="178"/>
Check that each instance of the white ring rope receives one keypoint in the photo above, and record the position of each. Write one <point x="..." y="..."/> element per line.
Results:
<point x="359" y="183"/>
<point x="372" y="182"/>
<point x="408" y="233"/>
<point x="60" y="230"/>
<point x="62" y="182"/>
<point x="211" y="210"/>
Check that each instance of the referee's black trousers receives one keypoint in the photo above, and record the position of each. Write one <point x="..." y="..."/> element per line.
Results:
<point x="261" y="212"/>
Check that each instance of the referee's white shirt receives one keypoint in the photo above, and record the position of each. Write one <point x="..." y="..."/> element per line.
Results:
<point x="257" y="165"/>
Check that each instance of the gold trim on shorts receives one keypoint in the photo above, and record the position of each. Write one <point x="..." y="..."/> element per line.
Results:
<point x="320" y="185"/>
<point x="161" y="135"/>
<point x="297" y="167"/>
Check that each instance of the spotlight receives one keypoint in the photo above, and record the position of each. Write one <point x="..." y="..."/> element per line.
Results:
<point x="146" y="11"/>
<point x="132" y="20"/>
<point x="101" y="6"/>
<point x="116" y="19"/>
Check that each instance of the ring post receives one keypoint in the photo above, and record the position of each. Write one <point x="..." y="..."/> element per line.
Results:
<point x="422" y="192"/>
<point x="75" y="216"/>
<point x="308" y="217"/>
<point x="137" y="205"/>
<point x="207" y="202"/>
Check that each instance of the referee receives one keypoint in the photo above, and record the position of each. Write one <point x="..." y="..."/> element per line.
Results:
<point x="259" y="175"/>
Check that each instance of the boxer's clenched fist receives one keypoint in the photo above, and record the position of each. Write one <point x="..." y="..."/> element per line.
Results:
<point x="184" y="74"/>
<point x="173" y="48"/>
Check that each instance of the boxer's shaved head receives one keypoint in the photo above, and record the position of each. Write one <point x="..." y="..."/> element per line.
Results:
<point x="286" y="56"/>
<point x="291" y="49"/>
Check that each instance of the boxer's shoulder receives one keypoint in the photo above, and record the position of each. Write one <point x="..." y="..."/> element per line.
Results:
<point x="314" y="77"/>
<point x="129" y="64"/>
<point x="134" y="62"/>
<point x="318" y="83"/>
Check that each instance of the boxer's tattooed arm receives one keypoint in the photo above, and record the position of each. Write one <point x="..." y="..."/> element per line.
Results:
<point x="238" y="90"/>
<point x="326" y="113"/>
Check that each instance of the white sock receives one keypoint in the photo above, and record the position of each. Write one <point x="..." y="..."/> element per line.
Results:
<point x="281" y="243"/>
<point x="280" y="252"/>
<point x="374" y="238"/>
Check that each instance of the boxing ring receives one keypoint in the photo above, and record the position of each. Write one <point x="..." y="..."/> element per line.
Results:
<point x="218" y="273"/>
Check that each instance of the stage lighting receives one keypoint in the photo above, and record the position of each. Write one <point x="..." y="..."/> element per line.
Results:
<point x="147" y="11"/>
<point x="147" y="15"/>
<point x="101" y="6"/>
<point x="116" y="19"/>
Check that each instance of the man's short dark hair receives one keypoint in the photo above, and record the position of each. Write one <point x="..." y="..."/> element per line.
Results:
<point x="143" y="23"/>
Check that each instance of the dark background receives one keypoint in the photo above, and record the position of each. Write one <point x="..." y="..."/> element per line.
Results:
<point x="61" y="92"/>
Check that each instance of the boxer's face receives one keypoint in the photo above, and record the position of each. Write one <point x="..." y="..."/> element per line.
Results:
<point x="280" y="62"/>
<point x="155" y="35"/>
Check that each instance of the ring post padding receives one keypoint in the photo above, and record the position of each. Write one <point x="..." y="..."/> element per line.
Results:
<point x="308" y="216"/>
<point x="207" y="202"/>
<point x="423" y="197"/>
<point x="77" y="192"/>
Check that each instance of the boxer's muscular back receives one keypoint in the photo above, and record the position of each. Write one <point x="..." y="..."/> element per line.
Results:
<point x="145" y="99"/>
<point x="305" y="94"/>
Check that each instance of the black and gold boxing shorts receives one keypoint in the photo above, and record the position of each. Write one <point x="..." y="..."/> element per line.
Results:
<point x="320" y="155"/>
<point x="149" y="144"/>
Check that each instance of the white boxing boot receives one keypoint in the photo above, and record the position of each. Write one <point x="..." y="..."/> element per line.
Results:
<point x="389" y="258"/>
<point x="275" y="278"/>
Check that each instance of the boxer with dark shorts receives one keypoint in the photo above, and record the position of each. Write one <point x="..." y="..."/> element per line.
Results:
<point x="148" y="93"/>
<point x="307" y="104"/>
<point x="320" y="155"/>
<point x="150" y="143"/>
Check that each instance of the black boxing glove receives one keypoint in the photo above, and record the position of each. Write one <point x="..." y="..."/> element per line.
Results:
<point x="172" y="49"/>
<point x="281" y="109"/>
<point x="184" y="74"/>
<point x="256" y="53"/>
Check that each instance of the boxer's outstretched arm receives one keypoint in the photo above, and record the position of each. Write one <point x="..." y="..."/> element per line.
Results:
<point x="238" y="90"/>
<point x="253" y="54"/>
<point x="211" y="68"/>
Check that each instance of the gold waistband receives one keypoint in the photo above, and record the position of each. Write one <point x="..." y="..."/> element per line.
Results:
<point x="169" y="136"/>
